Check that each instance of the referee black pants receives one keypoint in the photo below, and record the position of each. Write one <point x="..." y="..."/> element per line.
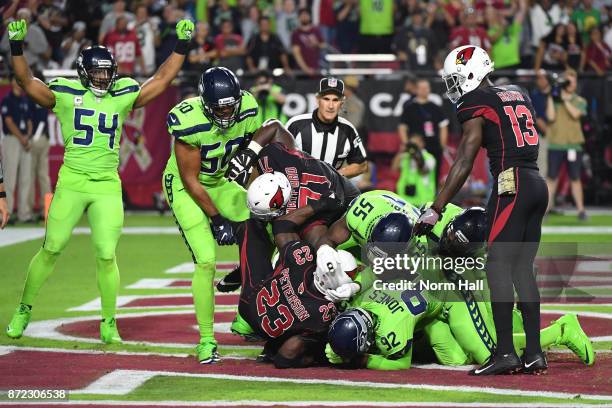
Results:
<point x="514" y="230"/>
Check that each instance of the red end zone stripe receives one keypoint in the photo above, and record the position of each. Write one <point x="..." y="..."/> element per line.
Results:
<point x="231" y="300"/>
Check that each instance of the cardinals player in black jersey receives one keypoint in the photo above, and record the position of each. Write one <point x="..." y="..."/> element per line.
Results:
<point x="500" y="119"/>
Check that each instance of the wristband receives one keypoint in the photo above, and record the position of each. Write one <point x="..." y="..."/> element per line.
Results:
<point x="283" y="227"/>
<point x="182" y="47"/>
<point x="438" y="210"/>
<point x="2" y="194"/>
<point x="254" y="146"/>
<point x="16" y="48"/>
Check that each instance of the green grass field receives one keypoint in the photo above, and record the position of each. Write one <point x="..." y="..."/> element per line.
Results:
<point x="238" y="380"/>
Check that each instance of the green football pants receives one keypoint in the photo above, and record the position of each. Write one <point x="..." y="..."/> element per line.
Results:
<point x="194" y="225"/>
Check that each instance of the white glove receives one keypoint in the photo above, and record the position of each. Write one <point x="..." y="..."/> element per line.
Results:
<point x="343" y="292"/>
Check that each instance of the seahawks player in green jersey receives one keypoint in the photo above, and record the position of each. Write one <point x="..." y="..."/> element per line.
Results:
<point x="91" y="112"/>
<point x="459" y="330"/>
<point x="207" y="131"/>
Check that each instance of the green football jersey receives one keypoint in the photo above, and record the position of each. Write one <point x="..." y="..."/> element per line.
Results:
<point x="187" y="123"/>
<point x="368" y="208"/>
<point x="91" y="126"/>
<point x="398" y="315"/>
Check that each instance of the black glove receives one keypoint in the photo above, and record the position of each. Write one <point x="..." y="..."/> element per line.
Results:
<point x="239" y="167"/>
<point x="222" y="230"/>
<point x="326" y="203"/>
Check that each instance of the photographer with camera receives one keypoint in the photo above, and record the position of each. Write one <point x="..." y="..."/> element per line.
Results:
<point x="564" y="108"/>
<point x="417" y="167"/>
<point x="270" y="97"/>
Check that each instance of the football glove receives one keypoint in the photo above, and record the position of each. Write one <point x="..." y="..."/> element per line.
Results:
<point x="327" y="259"/>
<point x="184" y="30"/>
<point x="17" y="30"/>
<point x="426" y="222"/>
<point x="239" y="167"/>
<point x="326" y="203"/>
<point x="222" y="230"/>
<point x="332" y="357"/>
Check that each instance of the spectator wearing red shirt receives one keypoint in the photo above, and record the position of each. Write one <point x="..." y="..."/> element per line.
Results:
<point x="598" y="54"/>
<point x="306" y="43"/>
<point x="469" y="33"/>
<point x="230" y="47"/>
<point x="125" y="46"/>
<point x="325" y="19"/>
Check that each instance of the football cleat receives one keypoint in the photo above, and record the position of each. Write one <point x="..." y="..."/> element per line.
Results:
<point x="207" y="351"/>
<point x="19" y="322"/>
<point x="230" y="282"/>
<point x="574" y="338"/>
<point x="535" y="364"/>
<point x="242" y="328"/>
<point x="499" y="364"/>
<point x="108" y="331"/>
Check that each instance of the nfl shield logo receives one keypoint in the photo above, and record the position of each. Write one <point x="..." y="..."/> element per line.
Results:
<point x="333" y="82"/>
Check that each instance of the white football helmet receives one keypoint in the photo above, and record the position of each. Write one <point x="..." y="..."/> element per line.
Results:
<point x="464" y="69"/>
<point x="268" y="195"/>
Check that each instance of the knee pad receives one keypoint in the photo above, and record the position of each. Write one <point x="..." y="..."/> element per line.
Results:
<point x="105" y="262"/>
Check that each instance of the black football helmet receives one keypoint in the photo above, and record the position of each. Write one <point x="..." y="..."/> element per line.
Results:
<point x="351" y="333"/>
<point x="97" y="69"/>
<point x="221" y="96"/>
<point x="465" y="235"/>
<point x="393" y="228"/>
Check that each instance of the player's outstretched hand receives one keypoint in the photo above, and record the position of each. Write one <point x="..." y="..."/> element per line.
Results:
<point x="332" y="357"/>
<point x="184" y="30"/>
<point x="426" y="222"/>
<point x="17" y="30"/>
<point x="239" y="167"/>
<point x="222" y="230"/>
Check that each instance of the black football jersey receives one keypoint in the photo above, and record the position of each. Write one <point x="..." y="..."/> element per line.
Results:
<point x="287" y="303"/>
<point x="310" y="178"/>
<point x="509" y="132"/>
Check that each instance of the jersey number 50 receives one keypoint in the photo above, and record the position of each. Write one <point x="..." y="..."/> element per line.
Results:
<point x="80" y="113"/>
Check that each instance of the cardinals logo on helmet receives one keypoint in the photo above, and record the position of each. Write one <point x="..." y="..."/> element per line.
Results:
<point x="277" y="200"/>
<point x="464" y="55"/>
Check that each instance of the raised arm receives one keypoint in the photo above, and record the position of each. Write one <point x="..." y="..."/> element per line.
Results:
<point x="167" y="71"/>
<point x="459" y="172"/>
<point x="34" y="87"/>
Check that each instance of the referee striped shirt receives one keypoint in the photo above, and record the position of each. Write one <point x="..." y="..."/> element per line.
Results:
<point x="335" y="143"/>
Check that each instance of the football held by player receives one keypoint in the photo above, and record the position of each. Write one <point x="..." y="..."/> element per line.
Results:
<point x="91" y="112"/>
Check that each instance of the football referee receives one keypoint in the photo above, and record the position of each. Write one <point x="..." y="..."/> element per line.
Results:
<point x="328" y="137"/>
<point x="4" y="210"/>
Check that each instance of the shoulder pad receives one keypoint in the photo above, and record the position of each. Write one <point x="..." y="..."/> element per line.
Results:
<point x="248" y="101"/>
<point x="124" y="86"/>
<point x="186" y="118"/>
<point x="69" y="86"/>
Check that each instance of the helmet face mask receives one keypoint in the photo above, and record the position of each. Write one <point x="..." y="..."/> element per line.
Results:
<point x="221" y="96"/>
<point x="453" y="86"/>
<point x="97" y="70"/>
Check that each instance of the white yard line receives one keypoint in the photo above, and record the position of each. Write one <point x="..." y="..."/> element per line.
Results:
<point x="145" y="375"/>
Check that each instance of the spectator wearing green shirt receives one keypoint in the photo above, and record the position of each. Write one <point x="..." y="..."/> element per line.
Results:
<point x="376" y="26"/>
<point x="564" y="109"/>
<point x="505" y="37"/>
<point x="270" y="98"/>
<point x="586" y="18"/>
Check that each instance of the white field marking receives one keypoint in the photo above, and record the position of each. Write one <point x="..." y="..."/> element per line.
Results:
<point x="48" y="329"/>
<point x="370" y="384"/>
<point x="576" y="230"/>
<point x="5" y="351"/>
<point x="442" y="367"/>
<point x="118" y="382"/>
<point x="549" y="304"/>
<point x="187" y="267"/>
<point x="594" y="266"/>
<point x="13" y="236"/>
<point x="122" y="301"/>
<point x="581" y="313"/>
<point x="150" y="283"/>
<point x="262" y="403"/>
<point x="602" y="338"/>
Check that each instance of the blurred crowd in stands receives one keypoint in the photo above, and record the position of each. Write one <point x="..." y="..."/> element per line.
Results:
<point x="295" y="34"/>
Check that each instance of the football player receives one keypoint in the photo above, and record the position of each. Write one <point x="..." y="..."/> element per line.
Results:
<point x="378" y="332"/>
<point x="500" y="119"/>
<point x="91" y="112"/>
<point x="288" y="305"/>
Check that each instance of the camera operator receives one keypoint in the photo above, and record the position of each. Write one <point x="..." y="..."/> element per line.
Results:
<point x="270" y="97"/>
<point x="564" y="109"/>
<point x="417" y="181"/>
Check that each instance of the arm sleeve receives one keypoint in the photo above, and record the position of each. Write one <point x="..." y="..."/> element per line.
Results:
<point x="298" y="254"/>
<point x="357" y="153"/>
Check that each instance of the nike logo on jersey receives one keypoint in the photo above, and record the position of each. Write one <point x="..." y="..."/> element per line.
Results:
<point x="459" y="104"/>
<point x="532" y="363"/>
